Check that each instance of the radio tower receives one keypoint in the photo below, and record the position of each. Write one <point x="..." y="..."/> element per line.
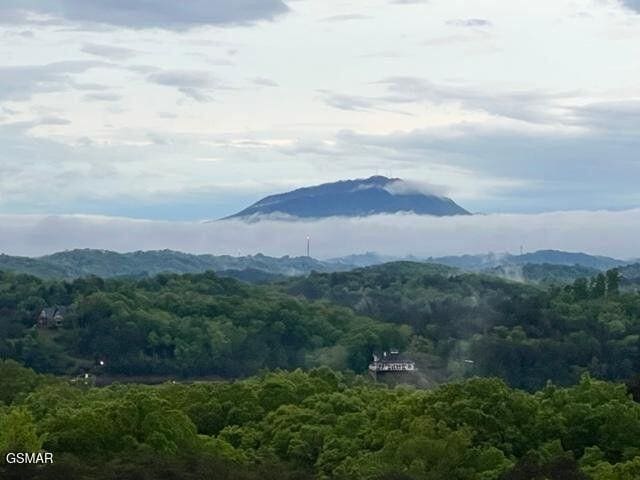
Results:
<point x="308" y="245"/>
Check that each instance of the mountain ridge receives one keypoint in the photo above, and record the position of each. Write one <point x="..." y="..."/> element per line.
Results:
<point x="103" y="263"/>
<point x="352" y="198"/>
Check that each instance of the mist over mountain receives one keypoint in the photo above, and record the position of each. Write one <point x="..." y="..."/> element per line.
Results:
<point x="541" y="266"/>
<point x="550" y="257"/>
<point x="355" y="198"/>
<point x="107" y="264"/>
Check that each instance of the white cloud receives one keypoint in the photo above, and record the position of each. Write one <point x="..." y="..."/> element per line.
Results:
<point x="20" y="82"/>
<point x="264" y="82"/>
<point x="196" y="84"/>
<point x="108" y="51"/>
<point x="470" y="23"/>
<point x="387" y="234"/>
<point x="346" y="17"/>
<point x="412" y="187"/>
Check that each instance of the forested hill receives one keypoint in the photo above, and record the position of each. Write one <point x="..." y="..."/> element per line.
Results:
<point x="106" y="264"/>
<point x="539" y="267"/>
<point x="541" y="257"/>
<point x="452" y="324"/>
<point x="186" y="325"/>
<point x="473" y="324"/>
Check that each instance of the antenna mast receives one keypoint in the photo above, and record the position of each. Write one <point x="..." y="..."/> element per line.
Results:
<point x="308" y="245"/>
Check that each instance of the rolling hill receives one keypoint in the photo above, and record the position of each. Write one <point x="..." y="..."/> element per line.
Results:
<point x="108" y="264"/>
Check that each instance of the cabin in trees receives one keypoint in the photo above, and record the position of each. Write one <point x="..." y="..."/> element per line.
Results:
<point x="51" y="317"/>
<point x="391" y="363"/>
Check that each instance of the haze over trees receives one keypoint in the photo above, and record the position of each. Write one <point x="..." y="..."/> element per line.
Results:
<point x="470" y="324"/>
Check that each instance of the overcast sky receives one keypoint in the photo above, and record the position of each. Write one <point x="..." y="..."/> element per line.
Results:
<point x="191" y="110"/>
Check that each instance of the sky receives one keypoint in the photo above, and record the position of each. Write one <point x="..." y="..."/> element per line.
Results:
<point x="188" y="111"/>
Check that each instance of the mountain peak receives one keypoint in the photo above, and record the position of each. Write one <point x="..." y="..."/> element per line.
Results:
<point x="355" y="198"/>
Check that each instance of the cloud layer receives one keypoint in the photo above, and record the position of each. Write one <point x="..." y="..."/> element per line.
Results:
<point x="20" y="82"/>
<point x="122" y="108"/>
<point x="604" y="232"/>
<point x="632" y="4"/>
<point x="167" y="14"/>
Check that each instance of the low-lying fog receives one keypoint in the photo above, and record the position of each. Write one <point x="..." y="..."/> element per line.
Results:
<point x="603" y="232"/>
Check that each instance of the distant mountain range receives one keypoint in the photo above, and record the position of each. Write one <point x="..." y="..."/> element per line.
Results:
<point x="103" y="263"/>
<point x="353" y="198"/>
<point x="551" y="257"/>
<point x="541" y="266"/>
<point x="492" y="260"/>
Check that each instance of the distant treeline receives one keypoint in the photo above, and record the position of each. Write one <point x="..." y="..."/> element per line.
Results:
<point x="107" y="264"/>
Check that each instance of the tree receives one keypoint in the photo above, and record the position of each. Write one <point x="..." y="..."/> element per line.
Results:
<point x="580" y="289"/>
<point x="16" y="380"/>
<point x="18" y="433"/>
<point x="599" y="286"/>
<point x="613" y="282"/>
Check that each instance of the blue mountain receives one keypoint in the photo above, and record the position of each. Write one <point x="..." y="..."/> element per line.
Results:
<point x="354" y="198"/>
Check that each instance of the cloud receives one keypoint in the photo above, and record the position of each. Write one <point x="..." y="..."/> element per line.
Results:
<point x="264" y="82"/>
<point x="24" y="34"/>
<point x="166" y="14"/>
<point x="52" y="120"/>
<point x="526" y="105"/>
<point x="349" y="102"/>
<point x="620" y="117"/>
<point x="415" y="187"/>
<point x="632" y="4"/>
<point x="346" y="17"/>
<point x="85" y="174"/>
<point x="446" y="40"/>
<point x="602" y="232"/>
<point x="470" y="23"/>
<point x="357" y="103"/>
<point x="21" y="82"/>
<point x="196" y="84"/>
<point x="585" y="169"/>
<point x="538" y="107"/>
<point x="108" y="51"/>
<point x="102" y="97"/>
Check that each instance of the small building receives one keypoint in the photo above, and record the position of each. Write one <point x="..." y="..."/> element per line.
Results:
<point x="51" y="317"/>
<point x="391" y="362"/>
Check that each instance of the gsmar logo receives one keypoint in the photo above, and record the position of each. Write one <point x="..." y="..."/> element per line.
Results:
<point x="24" y="457"/>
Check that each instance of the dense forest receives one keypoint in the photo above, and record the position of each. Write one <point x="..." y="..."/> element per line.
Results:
<point x="453" y="324"/>
<point x="518" y="376"/>
<point x="319" y="424"/>
<point x="190" y="325"/>
<point x="471" y="324"/>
